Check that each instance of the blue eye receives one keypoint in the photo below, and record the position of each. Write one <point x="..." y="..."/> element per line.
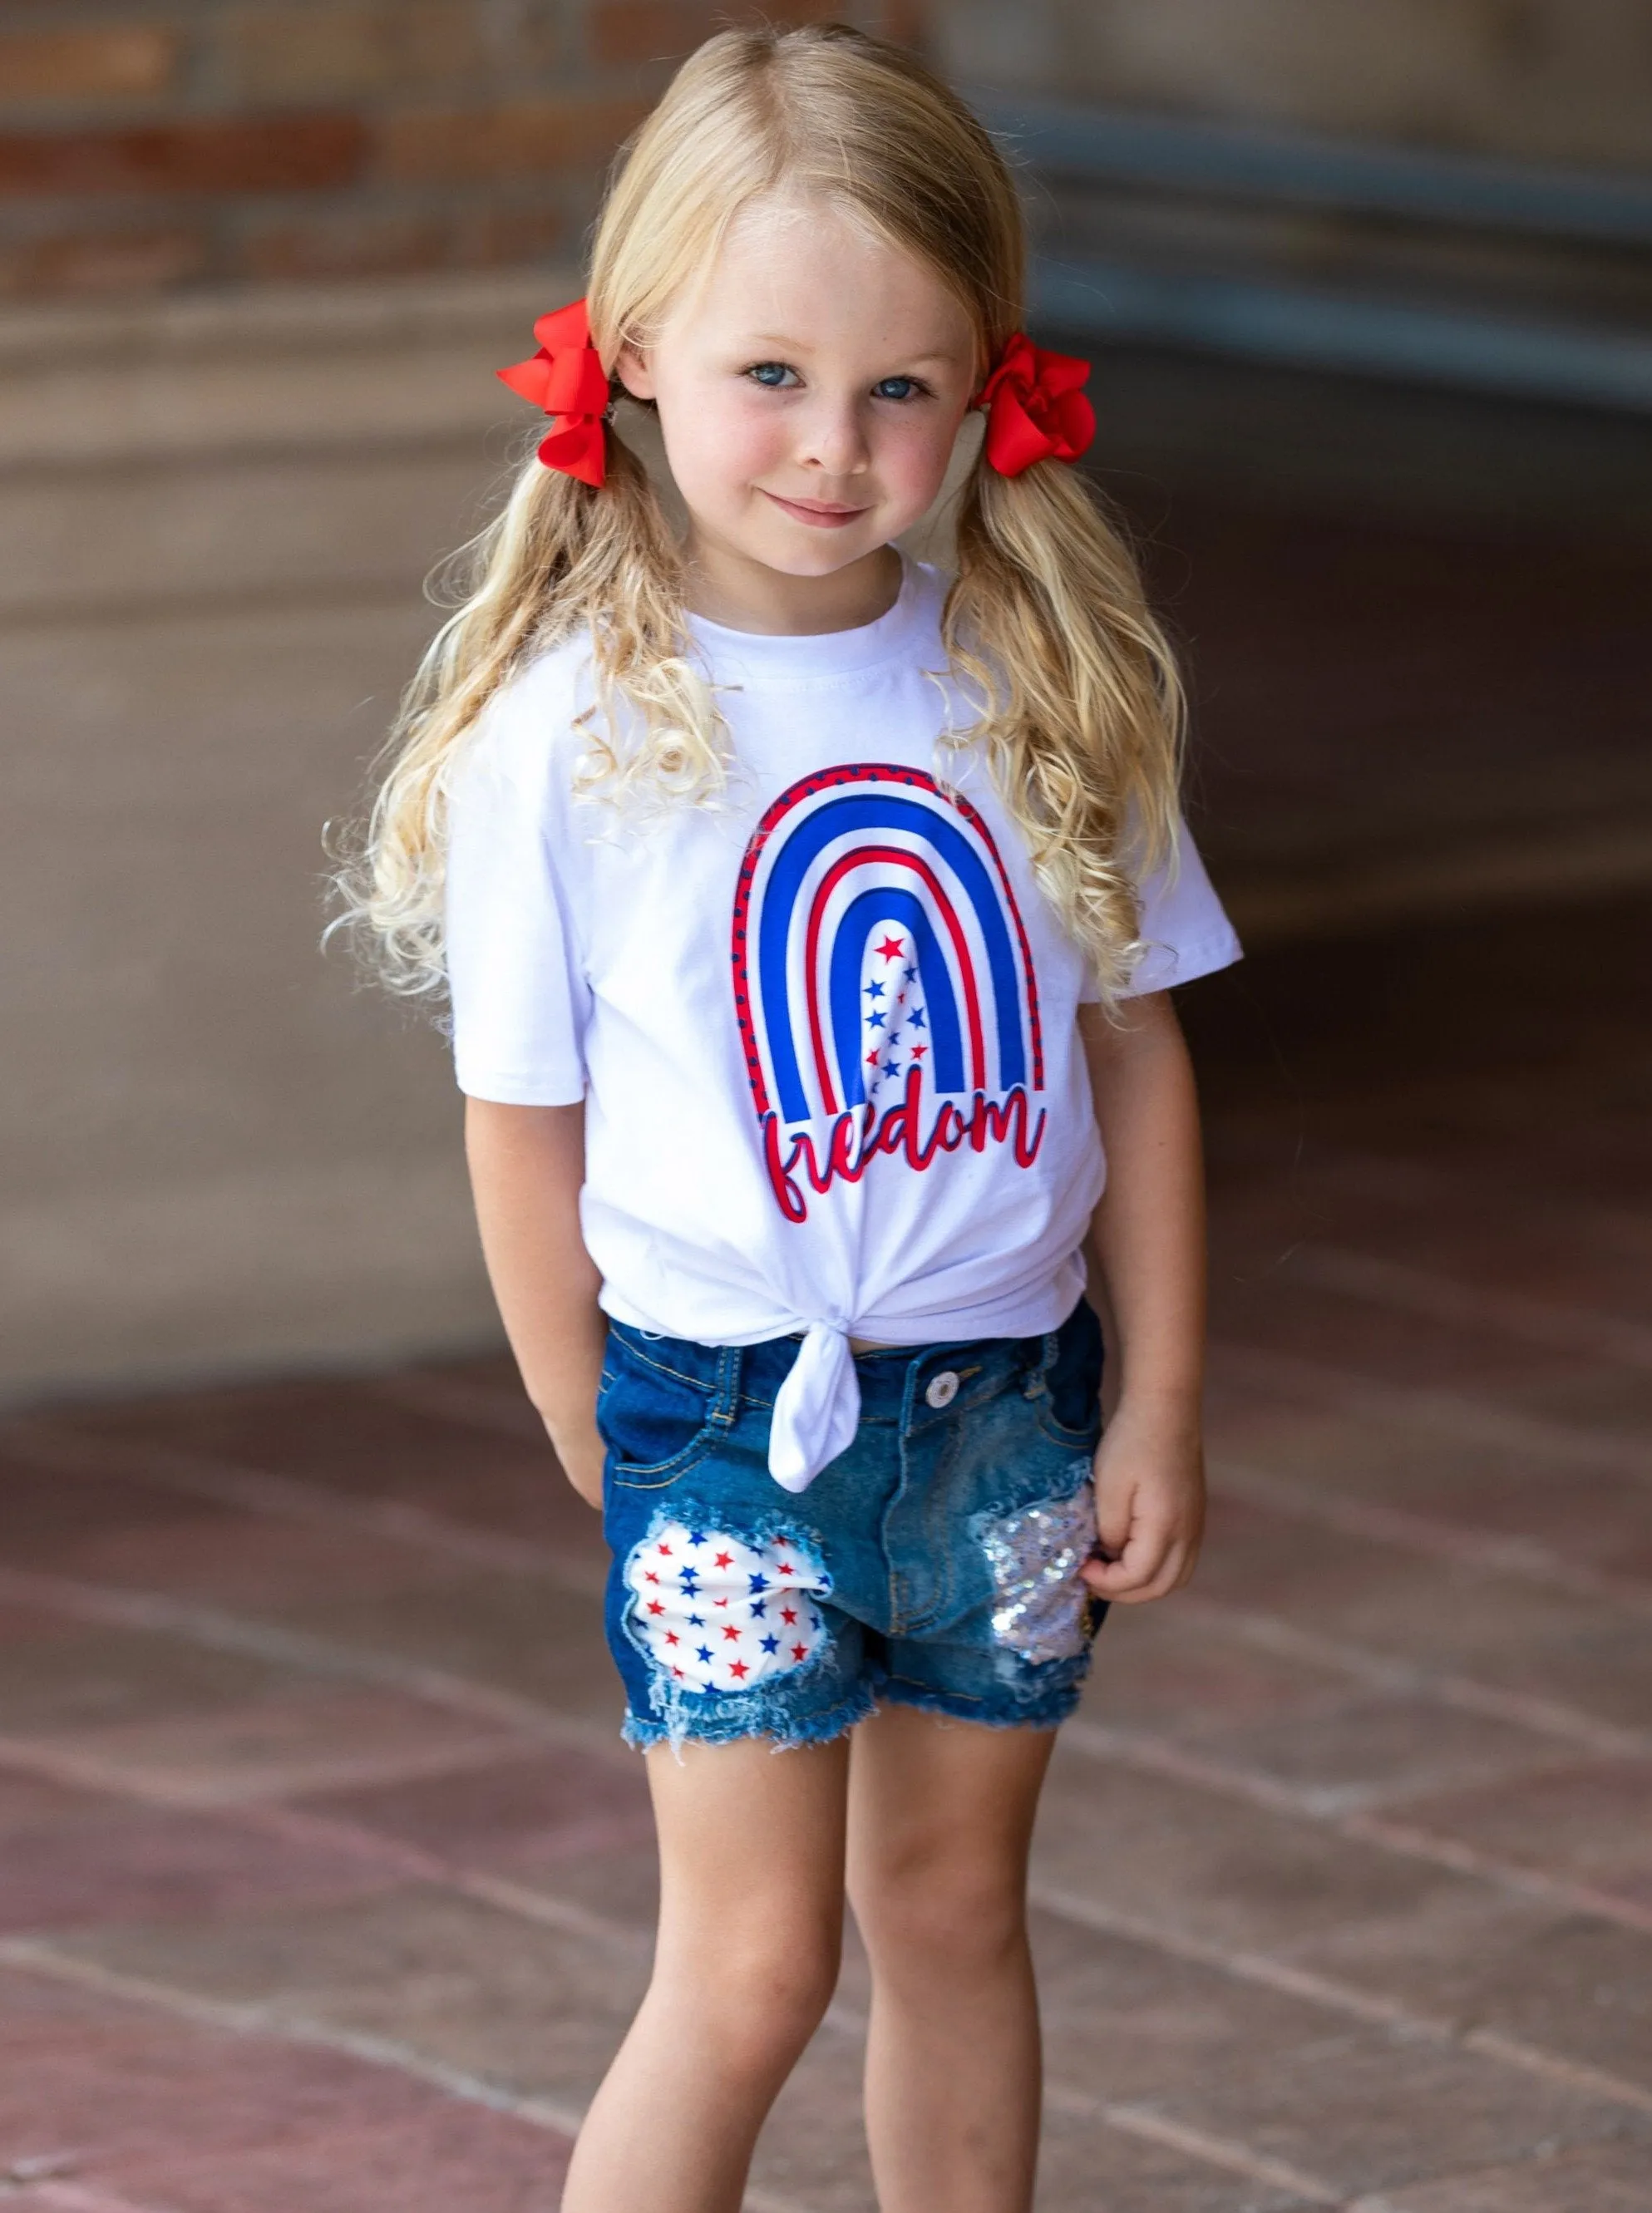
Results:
<point x="768" y="373"/>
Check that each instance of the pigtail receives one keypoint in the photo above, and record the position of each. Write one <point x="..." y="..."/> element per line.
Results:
<point x="560" y="554"/>
<point x="1084" y="709"/>
<point x="632" y="595"/>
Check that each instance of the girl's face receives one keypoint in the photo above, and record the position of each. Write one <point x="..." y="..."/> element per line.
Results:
<point x="809" y="392"/>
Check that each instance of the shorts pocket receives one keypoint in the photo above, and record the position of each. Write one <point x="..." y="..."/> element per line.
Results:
<point x="1068" y="1409"/>
<point x="1082" y="1439"/>
<point x="656" y="1425"/>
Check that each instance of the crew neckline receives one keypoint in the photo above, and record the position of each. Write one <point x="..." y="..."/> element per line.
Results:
<point x="798" y="655"/>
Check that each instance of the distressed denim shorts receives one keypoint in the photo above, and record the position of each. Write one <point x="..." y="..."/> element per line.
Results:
<point x="934" y="1564"/>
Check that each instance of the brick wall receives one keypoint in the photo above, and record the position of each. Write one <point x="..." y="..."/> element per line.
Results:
<point x="147" y="146"/>
<point x="1566" y="81"/>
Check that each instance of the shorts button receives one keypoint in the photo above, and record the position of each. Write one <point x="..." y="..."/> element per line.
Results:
<point x="943" y="1388"/>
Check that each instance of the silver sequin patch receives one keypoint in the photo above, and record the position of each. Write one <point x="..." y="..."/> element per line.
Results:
<point x="1035" y="1556"/>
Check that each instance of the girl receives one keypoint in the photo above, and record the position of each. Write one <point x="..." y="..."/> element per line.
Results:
<point x="808" y="916"/>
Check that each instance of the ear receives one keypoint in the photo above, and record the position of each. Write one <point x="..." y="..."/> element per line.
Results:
<point x="634" y="372"/>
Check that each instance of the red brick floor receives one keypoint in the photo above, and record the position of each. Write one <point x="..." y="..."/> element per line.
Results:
<point x="327" y="1882"/>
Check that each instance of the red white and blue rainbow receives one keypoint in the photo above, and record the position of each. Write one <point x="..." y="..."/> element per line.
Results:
<point x="879" y="954"/>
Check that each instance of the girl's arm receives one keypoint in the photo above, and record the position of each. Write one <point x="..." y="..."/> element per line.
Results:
<point x="1146" y="1252"/>
<point x="527" y="1165"/>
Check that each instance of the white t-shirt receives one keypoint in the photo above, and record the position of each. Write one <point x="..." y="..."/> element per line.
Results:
<point x="824" y="1030"/>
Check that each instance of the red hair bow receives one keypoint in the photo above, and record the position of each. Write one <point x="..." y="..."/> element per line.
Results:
<point x="1036" y="412"/>
<point x="567" y="379"/>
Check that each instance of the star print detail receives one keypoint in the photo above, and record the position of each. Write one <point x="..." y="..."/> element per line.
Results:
<point x="892" y="948"/>
<point x="874" y="991"/>
<point x="916" y="1018"/>
<point x="741" y="1649"/>
<point x="910" y="974"/>
<point x="875" y="1022"/>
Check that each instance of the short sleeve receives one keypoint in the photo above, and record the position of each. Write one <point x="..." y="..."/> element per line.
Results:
<point x="521" y="1001"/>
<point x="1184" y="925"/>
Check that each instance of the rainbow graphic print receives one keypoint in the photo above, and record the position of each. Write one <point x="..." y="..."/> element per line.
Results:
<point x="883" y="982"/>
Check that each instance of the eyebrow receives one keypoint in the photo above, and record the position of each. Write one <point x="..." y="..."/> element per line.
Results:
<point x="796" y="345"/>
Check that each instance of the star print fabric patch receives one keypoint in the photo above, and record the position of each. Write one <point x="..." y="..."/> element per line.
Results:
<point x="718" y="1613"/>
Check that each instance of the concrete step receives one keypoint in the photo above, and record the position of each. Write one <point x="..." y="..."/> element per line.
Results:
<point x="202" y="530"/>
<point x="216" y="1151"/>
<point x="280" y="367"/>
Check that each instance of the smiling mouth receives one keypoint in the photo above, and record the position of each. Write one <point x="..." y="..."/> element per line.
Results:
<point x="824" y="508"/>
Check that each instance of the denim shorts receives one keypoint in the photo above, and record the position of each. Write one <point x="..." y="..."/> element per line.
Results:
<point x="934" y="1563"/>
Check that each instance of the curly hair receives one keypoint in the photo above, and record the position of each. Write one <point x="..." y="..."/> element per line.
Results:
<point x="1082" y="710"/>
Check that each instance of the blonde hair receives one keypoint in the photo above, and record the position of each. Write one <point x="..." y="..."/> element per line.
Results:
<point x="1082" y="709"/>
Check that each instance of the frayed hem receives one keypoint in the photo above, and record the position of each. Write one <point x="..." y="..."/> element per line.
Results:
<point x="643" y="1733"/>
<point x="1045" y="1714"/>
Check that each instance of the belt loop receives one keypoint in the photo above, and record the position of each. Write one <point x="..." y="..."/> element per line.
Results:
<point x="725" y="1405"/>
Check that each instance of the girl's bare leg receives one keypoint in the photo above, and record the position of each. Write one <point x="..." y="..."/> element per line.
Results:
<point x="751" y="1924"/>
<point x="941" y="1819"/>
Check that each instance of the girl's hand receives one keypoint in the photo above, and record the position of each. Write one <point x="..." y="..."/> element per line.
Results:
<point x="1149" y="1502"/>
<point x="581" y="1451"/>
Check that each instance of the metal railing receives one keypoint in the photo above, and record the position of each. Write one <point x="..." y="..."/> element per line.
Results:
<point x="1496" y="345"/>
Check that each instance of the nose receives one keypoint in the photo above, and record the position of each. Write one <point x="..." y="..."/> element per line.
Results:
<point x="834" y="438"/>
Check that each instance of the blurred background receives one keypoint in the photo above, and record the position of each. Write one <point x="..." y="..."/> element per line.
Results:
<point x="1346" y="1892"/>
<point x="1368" y="290"/>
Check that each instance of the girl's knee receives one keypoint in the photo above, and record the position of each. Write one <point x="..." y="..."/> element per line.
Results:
<point x="759" y="1992"/>
<point x="944" y="1914"/>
